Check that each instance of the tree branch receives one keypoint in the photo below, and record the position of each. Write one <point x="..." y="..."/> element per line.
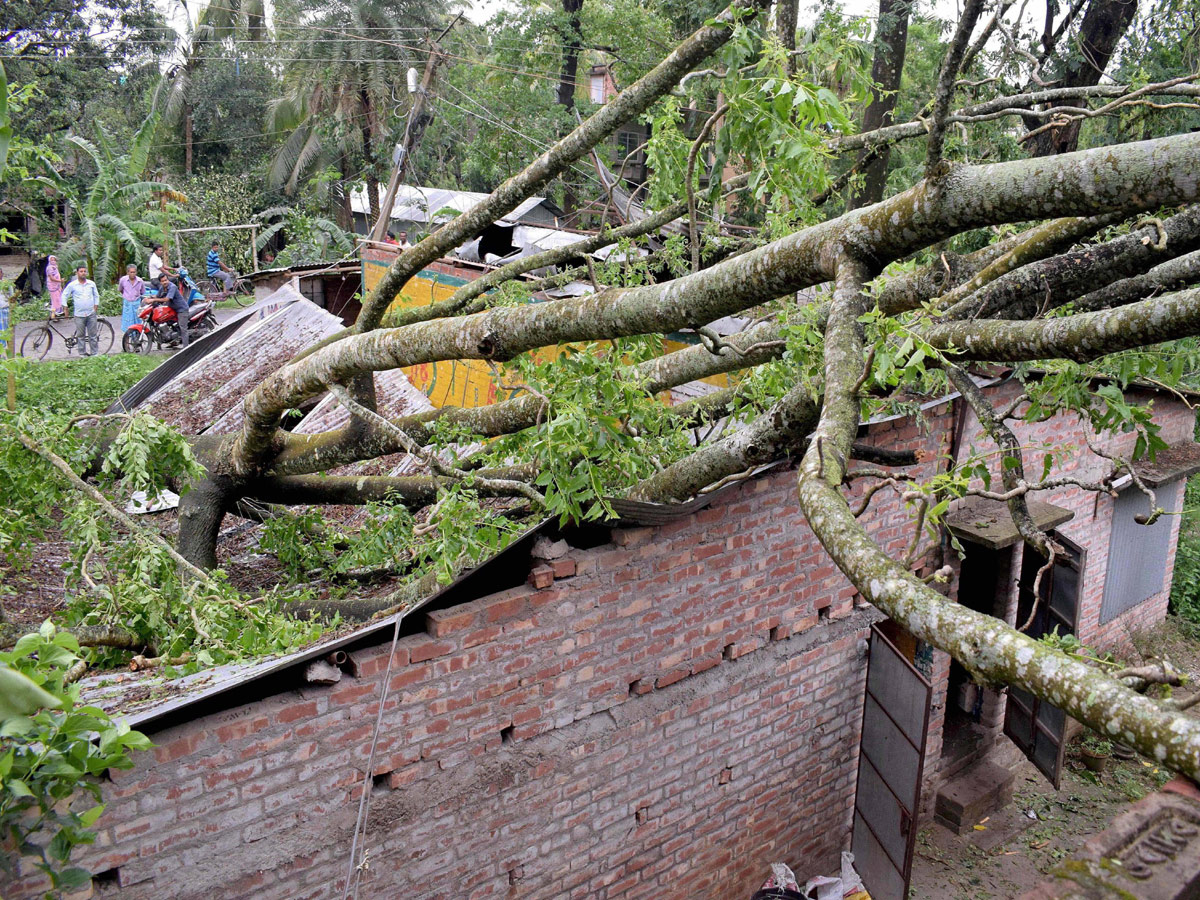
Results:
<point x="628" y="105"/>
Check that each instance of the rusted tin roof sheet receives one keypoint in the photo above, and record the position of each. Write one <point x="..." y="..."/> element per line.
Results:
<point x="208" y="396"/>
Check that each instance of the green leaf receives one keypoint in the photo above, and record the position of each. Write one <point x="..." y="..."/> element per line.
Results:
<point x="20" y="695"/>
<point x="88" y="818"/>
<point x="18" y="788"/>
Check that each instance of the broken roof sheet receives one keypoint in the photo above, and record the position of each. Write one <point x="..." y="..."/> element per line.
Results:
<point x="421" y="204"/>
<point x="1177" y="461"/>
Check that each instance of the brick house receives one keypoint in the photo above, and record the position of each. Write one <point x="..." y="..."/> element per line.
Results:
<point x="663" y="710"/>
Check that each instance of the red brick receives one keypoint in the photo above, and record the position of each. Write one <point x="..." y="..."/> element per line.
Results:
<point x="296" y="712"/>
<point x="425" y="648"/>
<point x="541" y="577"/>
<point x="447" y="621"/>
<point x="672" y="677"/>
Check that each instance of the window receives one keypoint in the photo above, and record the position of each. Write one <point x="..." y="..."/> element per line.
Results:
<point x="1137" y="554"/>
<point x="597" y="86"/>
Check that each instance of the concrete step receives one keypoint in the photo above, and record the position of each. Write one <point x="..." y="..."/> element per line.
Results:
<point x="973" y="795"/>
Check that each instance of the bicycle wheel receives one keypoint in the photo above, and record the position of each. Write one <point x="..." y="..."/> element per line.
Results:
<point x="106" y="336"/>
<point x="243" y="292"/>
<point x="36" y="344"/>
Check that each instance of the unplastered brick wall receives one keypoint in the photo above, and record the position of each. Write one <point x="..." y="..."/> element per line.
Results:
<point x="661" y="716"/>
<point x="670" y="714"/>
<point x="1091" y="528"/>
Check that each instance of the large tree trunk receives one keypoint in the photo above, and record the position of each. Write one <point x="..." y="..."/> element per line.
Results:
<point x="891" y="41"/>
<point x="345" y="212"/>
<point x="187" y="138"/>
<point x="369" y="156"/>
<point x="785" y="29"/>
<point x="573" y="43"/>
<point x="201" y="511"/>
<point x="1102" y="28"/>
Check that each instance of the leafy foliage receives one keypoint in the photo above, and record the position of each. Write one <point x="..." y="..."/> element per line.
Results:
<point x="53" y="751"/>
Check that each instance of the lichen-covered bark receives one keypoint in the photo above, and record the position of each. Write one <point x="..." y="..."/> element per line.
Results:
<point x="1168" y="276"/>
<point x="1012" y="462"/>
<point x="413" y="491"/>
<point x="302" y="454"/>
<point x="1049" y="283"/>
<point x="993" y="651"/>
<point x="461" y="299"/>
<point x="628" y="105"/>
<point x="1127" y="177"/>
<point x="1039" y="243"/>
<point x="1080" y="337"/>
<point x="1011" y="105"/>
<point x="771" y="436"/>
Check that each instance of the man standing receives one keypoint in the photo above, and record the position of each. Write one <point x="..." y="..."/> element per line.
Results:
<point x="168" y="290"/>
<point x="158" y="263"/>
<point x="84" y="299"/>
<point x="132" y="287"/>
<point x="404" y="244"/>
<point x="217" y="270"/>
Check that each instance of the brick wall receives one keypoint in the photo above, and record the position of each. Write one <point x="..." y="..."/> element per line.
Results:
<point x="674" y="712"/>
<point x="671" y="713"/>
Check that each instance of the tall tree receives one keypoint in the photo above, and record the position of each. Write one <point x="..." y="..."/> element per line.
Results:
<point x="891" y="41"/>
<point x="1082" y="63"/>
<point x="345" y="68"/>
<point x="218" y="26"/>
<point x="874" y="337"/>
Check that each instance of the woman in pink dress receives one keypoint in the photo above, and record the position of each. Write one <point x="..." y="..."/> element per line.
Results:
<point x="54" y="283"/>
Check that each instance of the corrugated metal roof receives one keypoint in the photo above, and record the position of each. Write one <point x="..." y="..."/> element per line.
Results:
<point x="141" y="698"/>
<point x="208" y="396"/>
<point x="202" y="347"/>
<point x="421" y="204"/>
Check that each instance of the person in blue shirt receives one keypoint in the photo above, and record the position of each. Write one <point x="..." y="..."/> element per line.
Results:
<point x="84" y="299"/>
<point x="169" y="291"/>
<point x="217" y="270"/>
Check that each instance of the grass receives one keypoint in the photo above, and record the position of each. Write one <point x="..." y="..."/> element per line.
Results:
<point x="78" y="386"/>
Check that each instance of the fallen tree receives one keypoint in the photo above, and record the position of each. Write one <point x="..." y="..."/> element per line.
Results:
<point x="589" y="426"/>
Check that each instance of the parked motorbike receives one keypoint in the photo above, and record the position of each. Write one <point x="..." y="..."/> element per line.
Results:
<point x="159" y="325"/>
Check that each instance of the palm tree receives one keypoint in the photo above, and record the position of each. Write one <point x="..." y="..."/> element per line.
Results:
<point x="347" y="59"/>
<point x="115" y="210"/>
<point x="216" y="23"/>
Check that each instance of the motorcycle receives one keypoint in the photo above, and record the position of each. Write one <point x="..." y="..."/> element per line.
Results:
<point x="159" y="325"/>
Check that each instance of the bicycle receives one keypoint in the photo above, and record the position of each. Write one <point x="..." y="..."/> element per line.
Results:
<point x="37" y="342"/>
<point x="242" y="293"/>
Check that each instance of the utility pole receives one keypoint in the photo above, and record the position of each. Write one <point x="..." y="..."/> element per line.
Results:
<point x="418" y="118"/>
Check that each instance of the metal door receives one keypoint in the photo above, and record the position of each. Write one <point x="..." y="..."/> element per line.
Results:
<point x="891" y="760"/>
<point x="1035" y="726"/>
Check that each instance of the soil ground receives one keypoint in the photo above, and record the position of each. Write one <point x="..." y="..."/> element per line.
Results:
<point x="1010" y="851"/>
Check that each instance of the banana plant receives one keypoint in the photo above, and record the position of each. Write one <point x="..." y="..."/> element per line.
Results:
<point x="117" y="210"/>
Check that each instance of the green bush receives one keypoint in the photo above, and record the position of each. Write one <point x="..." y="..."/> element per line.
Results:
<point x="1185" y="587"/>
<point x="54" y="750"/>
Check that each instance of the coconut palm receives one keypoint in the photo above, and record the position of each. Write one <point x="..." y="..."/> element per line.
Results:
<point x="348" y="59"/>
<point x="215" y="23"/>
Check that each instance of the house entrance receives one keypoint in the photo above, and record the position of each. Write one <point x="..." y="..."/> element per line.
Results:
<point x="985" y="585"/>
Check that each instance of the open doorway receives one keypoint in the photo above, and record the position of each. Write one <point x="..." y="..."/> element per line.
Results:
<point x="985" y="585"/>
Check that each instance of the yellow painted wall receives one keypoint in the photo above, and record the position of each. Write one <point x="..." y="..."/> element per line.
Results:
<point x="464" y="382"/>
